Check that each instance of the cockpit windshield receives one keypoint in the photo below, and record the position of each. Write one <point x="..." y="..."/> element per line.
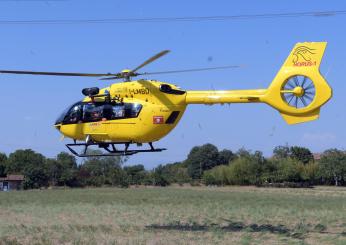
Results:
<point x="92" y="112"/>
<point x="68" y="113"/>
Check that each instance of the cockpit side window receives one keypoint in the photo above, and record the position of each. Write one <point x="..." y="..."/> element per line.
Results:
<point x="92" y="112"/>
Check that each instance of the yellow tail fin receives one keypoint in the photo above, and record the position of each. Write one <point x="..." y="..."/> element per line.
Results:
<point x="299" y="90"/>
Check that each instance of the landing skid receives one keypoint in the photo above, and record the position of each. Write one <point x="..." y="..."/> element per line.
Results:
<point x="110" y="148"/>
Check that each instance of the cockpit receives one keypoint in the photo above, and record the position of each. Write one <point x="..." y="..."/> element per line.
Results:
<point x="83" y="112"/>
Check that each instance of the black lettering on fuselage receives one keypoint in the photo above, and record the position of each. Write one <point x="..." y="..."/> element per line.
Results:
<point x="139" y="91"/>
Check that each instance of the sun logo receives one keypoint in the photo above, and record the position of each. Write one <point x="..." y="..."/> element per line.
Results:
<point x="302" y="52"/>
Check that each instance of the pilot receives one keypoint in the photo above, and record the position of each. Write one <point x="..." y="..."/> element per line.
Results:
<point x="95" y="115"/>
<point x="73" y="119"/>
<point x="74" y="114"/>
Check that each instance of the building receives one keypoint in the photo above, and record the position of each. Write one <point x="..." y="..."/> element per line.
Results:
<point x="11" y="182"/>
<point x="317" y="156"/>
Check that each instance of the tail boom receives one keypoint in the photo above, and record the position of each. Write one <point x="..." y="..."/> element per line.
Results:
<point x="298" y="91"/>
<point x="226" y="96"/>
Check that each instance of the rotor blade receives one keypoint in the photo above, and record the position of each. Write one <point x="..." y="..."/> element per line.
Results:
<point x="307" y="96"/>
<point x="174" y="71"/>
<point x="111" y="78"/>
<point x="304" y="80"/>
<point x="290" y="100"/>
<point x="311" y="85"/>
<point x="289" y="85"/>
<point x="58" y="73"/>
<point x="192" y="70"/>
<point x="155" y="57"/>
<point x="303" y="100"/>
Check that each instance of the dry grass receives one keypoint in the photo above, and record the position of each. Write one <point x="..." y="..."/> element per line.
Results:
<point x="174" y="215"/>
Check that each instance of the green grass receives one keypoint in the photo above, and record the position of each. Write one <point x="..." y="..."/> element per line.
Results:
<point x="174" y="215"/>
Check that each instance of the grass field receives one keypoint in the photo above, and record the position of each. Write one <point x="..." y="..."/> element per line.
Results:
<point x="174" y="215"/>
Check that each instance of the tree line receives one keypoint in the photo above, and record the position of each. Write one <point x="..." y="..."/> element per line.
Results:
<point x="291" y="166"/>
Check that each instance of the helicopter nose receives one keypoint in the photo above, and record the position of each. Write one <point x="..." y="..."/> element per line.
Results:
<point x="58" y="126"/>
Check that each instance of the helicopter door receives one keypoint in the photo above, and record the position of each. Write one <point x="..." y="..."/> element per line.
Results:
<point x="95" y="121"/>
<point x="122" y="123"/>
<point x="120" y="130"/>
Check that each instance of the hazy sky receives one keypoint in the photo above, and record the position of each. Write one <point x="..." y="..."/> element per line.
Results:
<point x="32" y="103"/>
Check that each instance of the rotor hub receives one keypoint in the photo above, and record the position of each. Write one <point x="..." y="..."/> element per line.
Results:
<point x="126" y="71"/>
<point x="298" y="91"/>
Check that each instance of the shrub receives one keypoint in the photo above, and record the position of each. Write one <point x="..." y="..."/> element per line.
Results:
<point x="216" y="176"/>
<point x="244" y="171"/>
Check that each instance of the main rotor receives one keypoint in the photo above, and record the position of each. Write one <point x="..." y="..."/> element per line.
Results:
<point x="126" y="74"/>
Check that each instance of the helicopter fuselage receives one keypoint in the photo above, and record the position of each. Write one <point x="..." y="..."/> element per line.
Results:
<point x="159" y="107"/>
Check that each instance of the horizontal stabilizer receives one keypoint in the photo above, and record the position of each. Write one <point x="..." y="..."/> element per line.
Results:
<point x="291" y="119"/>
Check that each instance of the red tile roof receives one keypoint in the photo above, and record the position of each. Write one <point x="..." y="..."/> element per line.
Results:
<point x="317" y="156"/>
<point x="13" y="177"/>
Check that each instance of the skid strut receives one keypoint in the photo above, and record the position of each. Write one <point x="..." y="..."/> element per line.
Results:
<point x="110" y="149"/>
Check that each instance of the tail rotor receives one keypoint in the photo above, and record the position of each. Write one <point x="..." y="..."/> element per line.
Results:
<point x="298" y="91"/>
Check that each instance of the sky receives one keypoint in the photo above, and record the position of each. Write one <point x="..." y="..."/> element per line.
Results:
<point x="30" y="104"/>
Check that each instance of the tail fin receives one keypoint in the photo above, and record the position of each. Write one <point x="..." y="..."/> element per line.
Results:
<point x="299" y="90"/>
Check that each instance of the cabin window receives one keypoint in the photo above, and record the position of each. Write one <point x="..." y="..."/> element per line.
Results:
<point x="118" y="111"/>
<point x="93" y="112"/>
<point x="132" y="110"/>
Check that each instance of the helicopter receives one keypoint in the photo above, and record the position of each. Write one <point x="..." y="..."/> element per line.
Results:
<point x="144" y="111"/>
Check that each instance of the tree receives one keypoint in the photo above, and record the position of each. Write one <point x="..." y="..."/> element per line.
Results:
<point x="98" y="171"/>
<point x="281" y="152"/>
<point x="31" y="164"/>
<point x="158" y="177"/>
<point x="301" y="154"/>
<point x="53" y="170"/>
<point x="3" y="161"/>
<point x="219" y="175"/>
<point x="201" y="158"/>
<point x="226" y="156"/>
<point x="289" y="170"/>
<point x="310" y="172"/>
<point x="135" y="173"/>
<point x="68" y="168"/>
<point x="298" y="153"/>
<point x="118" y="177"/>
<point x="62" y="170"/>
<point x="242" y="152"/>
<point x="333" y="167"/>
<point x="269" y="171"/>
<point x="176" y="173"/>
<point x="246" y="169"/>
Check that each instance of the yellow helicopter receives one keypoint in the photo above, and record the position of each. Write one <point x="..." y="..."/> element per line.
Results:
<point x="144" y="111"/>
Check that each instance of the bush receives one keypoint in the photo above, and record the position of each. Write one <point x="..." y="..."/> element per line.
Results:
<point x="244" y="171"/>
<point x="136" y="174"/>
<point x="159" y="177"/>
<point x="217" y="176"/>
<point x="289" y="170"/>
